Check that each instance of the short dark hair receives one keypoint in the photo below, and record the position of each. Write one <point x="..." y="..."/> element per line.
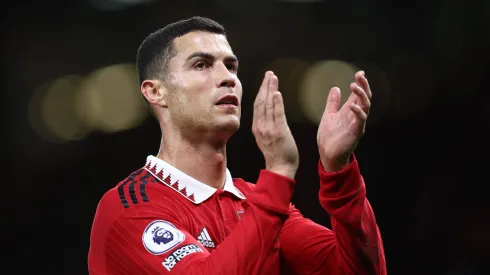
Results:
<point x="158" y="48"/>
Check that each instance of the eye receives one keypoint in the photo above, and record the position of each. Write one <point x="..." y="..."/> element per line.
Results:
<point x="201" y="65"/>
<point x="232" y="67"/>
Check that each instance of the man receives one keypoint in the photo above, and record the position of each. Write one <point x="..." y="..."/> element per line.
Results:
<point x="183" y="213"/>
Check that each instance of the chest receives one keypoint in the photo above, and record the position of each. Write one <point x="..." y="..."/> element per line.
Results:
<point x="211" y="221"/>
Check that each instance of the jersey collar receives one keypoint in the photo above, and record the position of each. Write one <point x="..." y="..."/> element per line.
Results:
<point x="187" y="186"/>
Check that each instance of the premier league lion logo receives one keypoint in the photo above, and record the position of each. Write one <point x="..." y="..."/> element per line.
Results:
<point x="161" y="235"/>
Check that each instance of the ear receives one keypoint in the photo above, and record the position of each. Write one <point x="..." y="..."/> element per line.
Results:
<point x="155" y="92"/>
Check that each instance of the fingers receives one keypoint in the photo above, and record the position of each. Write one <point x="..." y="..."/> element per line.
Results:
<point x="333" y="101"/>
<point x="269" y="113"/>
<point x="361" y="99"/>
<point x="260" y="99"/>
<point x="269" y="103"/>
<point x="359" y="95"/>
<point x="262" y="94"/>
<point x="279" y="113"/>
<point x="362" y="81"/>
<point x="268" y="107"/>
<point x="360" y="115"/>
<point x="358" y="111"/>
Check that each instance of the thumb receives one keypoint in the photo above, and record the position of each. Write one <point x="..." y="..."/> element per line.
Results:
<point x="333" y="101"/>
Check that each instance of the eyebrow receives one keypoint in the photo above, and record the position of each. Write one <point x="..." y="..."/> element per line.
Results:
<point x="230" y="58"/>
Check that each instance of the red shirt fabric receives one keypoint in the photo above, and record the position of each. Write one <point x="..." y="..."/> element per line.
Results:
<point x="161" y="221"/>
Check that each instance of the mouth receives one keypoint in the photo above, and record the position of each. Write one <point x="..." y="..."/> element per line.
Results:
<point x="228" y="100"/>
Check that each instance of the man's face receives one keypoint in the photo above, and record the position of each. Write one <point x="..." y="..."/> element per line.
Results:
<point x="204" y="92"/>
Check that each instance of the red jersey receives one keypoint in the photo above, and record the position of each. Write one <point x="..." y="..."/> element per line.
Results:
<point x="161" y="221"/>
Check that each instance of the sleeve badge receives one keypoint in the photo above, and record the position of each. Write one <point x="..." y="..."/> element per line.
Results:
<point x="161" y="236"/>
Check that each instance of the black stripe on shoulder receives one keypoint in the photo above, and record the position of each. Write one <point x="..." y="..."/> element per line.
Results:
<point x="120" y="189"/>
<point x="146" y="176"/>
<point x="124" y="202"/>
<point x="143" y="191"/>
<point x="132" y="194"/>
<point x="143" y="184"/>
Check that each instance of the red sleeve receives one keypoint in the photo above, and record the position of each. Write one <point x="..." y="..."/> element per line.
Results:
<point x="354" y="244"/>
<point x="151" y="240"/>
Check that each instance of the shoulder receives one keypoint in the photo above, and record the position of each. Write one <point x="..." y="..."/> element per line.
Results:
<point x="139" y="190"/>
<point x="130" y="206"/>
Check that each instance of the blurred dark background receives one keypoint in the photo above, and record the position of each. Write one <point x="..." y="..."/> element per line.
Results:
<point x="75" y="124"/>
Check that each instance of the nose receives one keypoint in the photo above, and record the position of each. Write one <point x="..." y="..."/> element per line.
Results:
<point x="225" y="77"/>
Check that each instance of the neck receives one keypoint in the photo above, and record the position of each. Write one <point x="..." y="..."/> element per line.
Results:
<point x="203" y="160"/>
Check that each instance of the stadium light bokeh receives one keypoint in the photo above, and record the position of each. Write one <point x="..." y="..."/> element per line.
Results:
<point x="70" y="107"/>
<point x="318" y="81"/>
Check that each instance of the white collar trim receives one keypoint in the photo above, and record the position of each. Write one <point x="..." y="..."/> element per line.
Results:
<point x="187" y="186"/>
